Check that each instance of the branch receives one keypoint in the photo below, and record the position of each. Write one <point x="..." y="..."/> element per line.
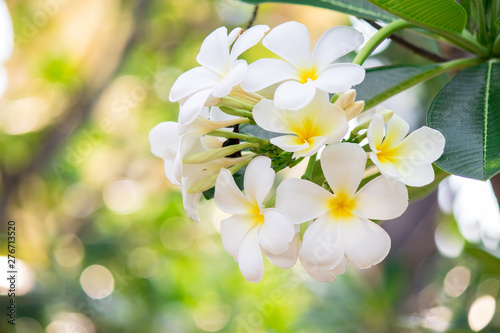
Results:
<point x="412" y="47"/>
<point x="253" y="17"/>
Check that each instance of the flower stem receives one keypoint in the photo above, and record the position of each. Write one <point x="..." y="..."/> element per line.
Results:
<point x="233" y="135"/>
<point x="378" y="38"/>
<point x="236" y="112"/>
<point x="235" y="104"/>
<point x="482" y="34"/>
<point x="310" y="167"/>
<point x="424" y="76"/>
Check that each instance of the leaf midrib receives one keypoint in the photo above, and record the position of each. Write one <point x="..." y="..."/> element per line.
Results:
<point x="486" y="112"/>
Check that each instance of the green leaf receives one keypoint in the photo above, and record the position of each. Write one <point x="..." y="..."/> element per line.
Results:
<point x="490" y="262"/>
<point x="380" y="79"/>
<point x="417" y="193"/>
<point x="497" y="23"/>
<point x="358" y="8"/>
<point x="467" y="112"/>
<point x="444" y="15"/>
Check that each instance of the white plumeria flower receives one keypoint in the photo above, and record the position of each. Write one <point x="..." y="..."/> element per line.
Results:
<point x="6" y="43"/>
<point x="219" y="72"/>
<point x="409" y="159"/>
<point x="252" y="226"/>
<point x="168" y="143"/>
<point x="310" y="128"/>
<point x="301" y="72"/>
<point x="342" y="227"/>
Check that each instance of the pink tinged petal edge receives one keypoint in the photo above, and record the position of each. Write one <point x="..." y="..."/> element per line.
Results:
<point x="375" y="133"/>
<point x="335" y="43"/>
<point x="289" y="143"/>
<point x="277" y="231"/>
<point x="343" y="165"/>
<point x="228" y="196"/>
<point x="192" y="81"/>
<point x="193" y="106"/>
<point x="270" y="118"/>
<point x="322" y="247"/>
<point x="259" y="179"/>
<point x="293" y="95"/>
<point x="302" y="200"/>
<point x="288" y="258"/>
<point x="382" y="199"/>
<point x="233" y="78"/>
<point x="338" y="78"/>
<point x="266" y="72"/>
<point x="248" y="39"/>
<point x="250" y="258"/>
<point x="291" y="42"/>
<point x="366" y="243"/>
<point x="233" y="230"/>
<point x="214" y="52"/>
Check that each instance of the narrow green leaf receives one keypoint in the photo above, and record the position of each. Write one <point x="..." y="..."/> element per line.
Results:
<point x="467" y="112"/>
<point x="444" y="15"/>
<point x="490" y="262"/>
<point x="358" y="8"/>
<point x="380" y="79"/>
<point x="497" y="23"/>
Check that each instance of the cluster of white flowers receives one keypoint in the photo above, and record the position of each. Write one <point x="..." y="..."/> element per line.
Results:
<point x="205" y="149"/>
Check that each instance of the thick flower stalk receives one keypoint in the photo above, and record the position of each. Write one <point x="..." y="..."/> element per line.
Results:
<point x="252" y="227"/>
<point x="308" y="129"/>
<point x="301" y="72"/>
<point x="342" y="226"/>
<point x="405" y="158"/>
<point x="219" y="72"/>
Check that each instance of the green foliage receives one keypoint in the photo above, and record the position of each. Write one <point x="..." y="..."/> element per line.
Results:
<point x="444" y="15"/>
<point x="359" y="8"/>
<point x="467" y="112"/>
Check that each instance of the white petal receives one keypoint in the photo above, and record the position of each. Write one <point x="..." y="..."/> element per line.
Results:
<point x="250" y="258"/>
<point x="317" y="274"/>
<point x="290" y="143"/>
<point x="193" y="106"/>
<point x="248" y="39"/>
<point x="340" y="268"/>
<point x="366" y="243"/>
<point x="217" y="115"/>
<point x="277" y="231"/>
<point x="397" y="129"/>
<point x="192" y="81"/>
<point x="259" y="178"/>
<point x="375" y="134"/>
<point x="214" y="52"/>
<point x="288" y="258"/>
<point x="322" y="244"/>
<point x="233" y="78"/>
<point x="190" y="201"/>
<point x="233" y="230"/>
<point x="231" y="37"/>
<point x="315" y="144"/>
<point x="291" y="42"/>
<point x="343" y="165"/>
<point x="266" y="72"/>
<point x="293" y="95"/>
<point x="302" y="200"/>
<point x="425" y="144"/>
<point x="228" y="196"/>
<point x="384" y="166"/>
<point x="382" y="199"/>
<point x="270" y="118"/>
<point x="164" y="136"/>
<point x="414" y="173"/>
<point x="339" y="77"/>
<point x="6" y="33"/>
<point x="332" y="122"/>
<point x="335" y="43"/>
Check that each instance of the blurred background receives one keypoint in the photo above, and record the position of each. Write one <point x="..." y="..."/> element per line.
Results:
<point x="102" y="239"/>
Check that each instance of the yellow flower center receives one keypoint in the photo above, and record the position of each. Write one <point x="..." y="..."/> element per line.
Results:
<point x="386" y="155"/>
<point x="308" y="73"/>
<point x="305" y="130"/>
<point x="341" y="206"/>
<point x="258" y="218"/>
